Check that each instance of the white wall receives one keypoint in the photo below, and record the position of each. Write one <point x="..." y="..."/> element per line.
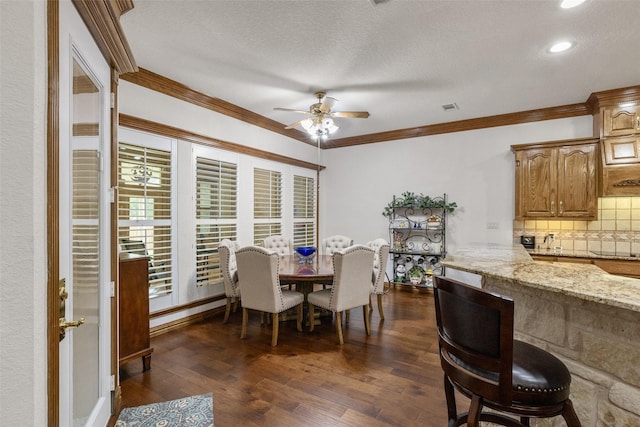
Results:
<point x="23" y="343"/>
<point x="474" y="168"/>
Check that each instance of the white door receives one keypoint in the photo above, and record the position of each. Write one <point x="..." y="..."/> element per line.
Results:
<point x="85" y="386"/>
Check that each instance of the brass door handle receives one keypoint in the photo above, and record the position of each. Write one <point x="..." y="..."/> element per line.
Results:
<point x="561" y="207"/>
<point x="553" y="207"/>
<point x="62" y="322"/>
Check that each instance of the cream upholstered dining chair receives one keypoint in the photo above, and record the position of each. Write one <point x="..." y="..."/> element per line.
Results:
<point x="351" y="286"/>
<point x="380" y="259"/>
<point x="261" y="291"/>
<point x="228" y="266"/>
<point x="335" y="243"/>
<point x="280" y="244"/>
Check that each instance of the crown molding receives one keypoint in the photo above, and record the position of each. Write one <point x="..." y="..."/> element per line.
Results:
<point x="613" y="97"/>
<point x="102" y="18"/>
<point x="144" y="125"/>
<point x="551" y="113"/>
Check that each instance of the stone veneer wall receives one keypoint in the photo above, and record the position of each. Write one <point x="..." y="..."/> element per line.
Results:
<point x="617" y="228"/>
<point x="599" y="344"/>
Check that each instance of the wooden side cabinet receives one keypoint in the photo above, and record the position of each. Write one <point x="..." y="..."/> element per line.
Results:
<point x="557" y="180"/>
<point x="133" y="310"/>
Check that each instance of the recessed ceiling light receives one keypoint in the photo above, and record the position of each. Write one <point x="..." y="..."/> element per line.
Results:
<point x="567" y="4"/>
<point x="560" y="46"/>
<point x="450" y="107"/>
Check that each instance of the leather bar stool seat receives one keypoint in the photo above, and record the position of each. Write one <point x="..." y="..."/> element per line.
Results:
<point x="539" y="378"/>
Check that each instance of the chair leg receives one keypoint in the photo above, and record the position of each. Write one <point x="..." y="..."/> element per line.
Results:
<point x="370" y="304"/>
<point x="339" y="326"/>
<point x="245" y="319"/>
<point x="380" y="307"/>
<point x="569" y="415"/>
<point x="347" y="316"/>
<point x="311" y="318"/>
<point x="235" y="304"/>
<point x="450" y="396"/>
<point x="299" y="320"/>
<point x="274" y="332"/>
<point x="227" y="310"/>
<point x="367" y="326"/>
<point x="474" y="411"/>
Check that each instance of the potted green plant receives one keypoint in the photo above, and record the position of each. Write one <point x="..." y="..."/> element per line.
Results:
<point x="409" y="199"/>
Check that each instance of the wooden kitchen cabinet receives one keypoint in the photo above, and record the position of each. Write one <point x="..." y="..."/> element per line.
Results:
<point x="133" y="310"/>
<point x="621" y="121"/>
<point x="557" y="180"/>
<point x="616" y="120"/>
<point x="623" y="150"/>
<point x="621" y="170"/>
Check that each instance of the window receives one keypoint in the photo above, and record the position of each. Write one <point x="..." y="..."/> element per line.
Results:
<point x="145" y="210"/>
<point x="304" y="211"/>
<point x="267" y="204"/>
<point x="216" y="215"/>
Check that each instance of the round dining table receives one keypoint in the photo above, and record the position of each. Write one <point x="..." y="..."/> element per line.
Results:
<point x="304" y="274"/>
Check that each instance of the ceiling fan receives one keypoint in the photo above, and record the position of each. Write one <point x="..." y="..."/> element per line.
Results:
<point x="321" y="122"/>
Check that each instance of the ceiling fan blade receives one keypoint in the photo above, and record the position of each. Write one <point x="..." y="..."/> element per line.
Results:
<point x="291" y="110"/>
<point x="350" y="114"/>
<point x="327" y="103"/>
<point x="299" y="122"/>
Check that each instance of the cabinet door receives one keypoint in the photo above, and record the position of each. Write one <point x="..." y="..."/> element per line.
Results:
<point x="577" y="195"/>
<point x="621" y="121"/>
<point x="535" y="182"/>
<point x="622" y="151"/>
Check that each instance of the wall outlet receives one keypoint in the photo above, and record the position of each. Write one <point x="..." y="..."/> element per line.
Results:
<point x="492" y="226"/>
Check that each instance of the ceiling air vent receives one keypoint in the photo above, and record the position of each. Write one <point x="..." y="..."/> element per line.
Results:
<point x="450" y="107"/>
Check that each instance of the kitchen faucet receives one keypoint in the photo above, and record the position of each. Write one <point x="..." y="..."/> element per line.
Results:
<point x="548" y="239"/>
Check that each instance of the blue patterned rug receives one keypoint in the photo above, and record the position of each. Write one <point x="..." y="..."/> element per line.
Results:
<point x="193" y="411"/>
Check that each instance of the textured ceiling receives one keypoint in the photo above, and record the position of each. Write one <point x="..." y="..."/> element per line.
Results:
<point x="400" y="60"/>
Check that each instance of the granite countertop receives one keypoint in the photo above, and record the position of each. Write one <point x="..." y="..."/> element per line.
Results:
<point x="571" y="253"/>
<point x="514" y="264"/>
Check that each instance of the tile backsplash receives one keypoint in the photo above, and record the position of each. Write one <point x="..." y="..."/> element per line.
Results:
<point x="617" y="228"/>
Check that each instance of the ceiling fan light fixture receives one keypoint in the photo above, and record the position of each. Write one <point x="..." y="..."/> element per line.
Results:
<point x="323" y="127"/>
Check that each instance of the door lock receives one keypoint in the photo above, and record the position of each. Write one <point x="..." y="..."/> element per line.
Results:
<point x="63" y="324"/>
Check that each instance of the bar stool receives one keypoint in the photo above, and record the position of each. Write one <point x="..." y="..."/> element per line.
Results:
<point x="481" y="360"/>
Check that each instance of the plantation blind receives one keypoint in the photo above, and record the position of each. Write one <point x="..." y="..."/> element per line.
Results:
<point x="86" y="219"/>
<point x="145" y="210"/>
<point x="304" y="211"/>
<point x="216" y="215"/>
<point x="267" y="204"/>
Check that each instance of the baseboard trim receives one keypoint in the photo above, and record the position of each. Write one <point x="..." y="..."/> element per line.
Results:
<point x="188" y="320"/>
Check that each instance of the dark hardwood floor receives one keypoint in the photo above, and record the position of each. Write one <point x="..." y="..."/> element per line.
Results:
<point x="391" y="378"/>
